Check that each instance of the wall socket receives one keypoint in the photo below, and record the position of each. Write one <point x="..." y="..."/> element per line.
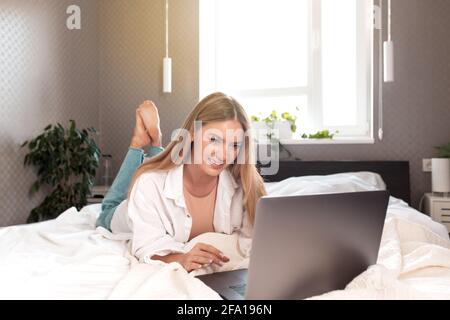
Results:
<point x="426" y="165"/>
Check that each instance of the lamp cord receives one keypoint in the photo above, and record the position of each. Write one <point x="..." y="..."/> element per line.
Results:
<point x="380" y="76"/>
<point x="167" y="28"/>
<point x="389" y="20"/>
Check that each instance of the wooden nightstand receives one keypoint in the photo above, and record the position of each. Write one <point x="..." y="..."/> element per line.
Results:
<point x="438" y="207"/>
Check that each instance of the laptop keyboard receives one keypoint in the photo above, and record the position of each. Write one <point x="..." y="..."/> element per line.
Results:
<point x="239" y="289"/>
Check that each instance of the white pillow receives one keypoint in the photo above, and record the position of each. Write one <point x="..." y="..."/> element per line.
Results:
<point x="333" y="183"/>
<point x="228" y="244"/>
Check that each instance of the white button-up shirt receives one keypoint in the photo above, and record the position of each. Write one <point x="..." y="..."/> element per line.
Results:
<point x="161" y="224"/>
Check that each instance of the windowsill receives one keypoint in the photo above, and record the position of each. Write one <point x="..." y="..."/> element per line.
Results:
<point x="326" y="141"/>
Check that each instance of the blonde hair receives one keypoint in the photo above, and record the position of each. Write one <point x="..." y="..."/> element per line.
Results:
<point x="215" y="107"/>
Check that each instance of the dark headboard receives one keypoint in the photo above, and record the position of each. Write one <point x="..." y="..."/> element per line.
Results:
<point x="394" y="173"/>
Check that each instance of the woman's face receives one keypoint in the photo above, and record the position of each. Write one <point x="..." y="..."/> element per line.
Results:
<point x="219" y="143"/>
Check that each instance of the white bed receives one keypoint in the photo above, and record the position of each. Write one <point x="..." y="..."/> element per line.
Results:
<point x="68" y="258"/>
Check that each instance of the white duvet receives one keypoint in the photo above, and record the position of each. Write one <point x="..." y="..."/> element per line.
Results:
<point x="68" y="258"/>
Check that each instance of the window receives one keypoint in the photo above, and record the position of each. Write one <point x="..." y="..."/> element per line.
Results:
<point x="310" y="55"/>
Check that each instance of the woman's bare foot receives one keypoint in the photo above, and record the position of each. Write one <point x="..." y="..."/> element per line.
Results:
<point x="150" y="117"/>
<point x="140" y="137"/>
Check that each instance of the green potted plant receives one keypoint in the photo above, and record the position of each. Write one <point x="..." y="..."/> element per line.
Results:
<point x="443" y="151"/>
<point x="66" y="161"/>
<point x="265" y="129"/>
<point x="324" y="134"/>
<point x="441" y="169"/>
<point x="284" y="123"/>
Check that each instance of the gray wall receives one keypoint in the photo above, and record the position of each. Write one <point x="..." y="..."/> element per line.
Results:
<point x="132" y="47"/>
<point x="61" y="75"/>
<point x="48" y="74"/>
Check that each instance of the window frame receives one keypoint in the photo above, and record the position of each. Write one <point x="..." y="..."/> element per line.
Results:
<point x="360" y="133"/>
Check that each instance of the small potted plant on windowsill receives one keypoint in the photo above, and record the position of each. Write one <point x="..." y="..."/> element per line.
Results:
<point x="275" y="126"/>
<point x="320" y="135"/>
<point x="441" y="169"/>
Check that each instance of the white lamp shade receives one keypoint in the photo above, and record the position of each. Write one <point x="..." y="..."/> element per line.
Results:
<point x="167" y="75"/>
<point x="388" y="61"/>
<point x="440" y="178"/>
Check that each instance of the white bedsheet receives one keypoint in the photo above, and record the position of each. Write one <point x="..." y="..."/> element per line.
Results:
<point x="68" y="259"/>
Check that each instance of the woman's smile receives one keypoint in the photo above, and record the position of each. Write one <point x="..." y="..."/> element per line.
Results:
<point x="215" y="163"/>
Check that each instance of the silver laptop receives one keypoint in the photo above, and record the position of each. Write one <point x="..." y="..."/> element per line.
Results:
<point x="308" y="245"/>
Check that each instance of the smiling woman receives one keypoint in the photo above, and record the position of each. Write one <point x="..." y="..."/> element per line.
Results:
<point x="238" y="184"/>
<point x="204" y="181"/>
<point x="215" y="144"/>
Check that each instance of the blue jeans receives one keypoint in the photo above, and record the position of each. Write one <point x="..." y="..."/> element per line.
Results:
<point x="119" y="189"/>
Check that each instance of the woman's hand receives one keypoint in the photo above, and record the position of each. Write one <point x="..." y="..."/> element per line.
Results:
<point x="146" y="130"/>
<point x="202" y="255"/>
